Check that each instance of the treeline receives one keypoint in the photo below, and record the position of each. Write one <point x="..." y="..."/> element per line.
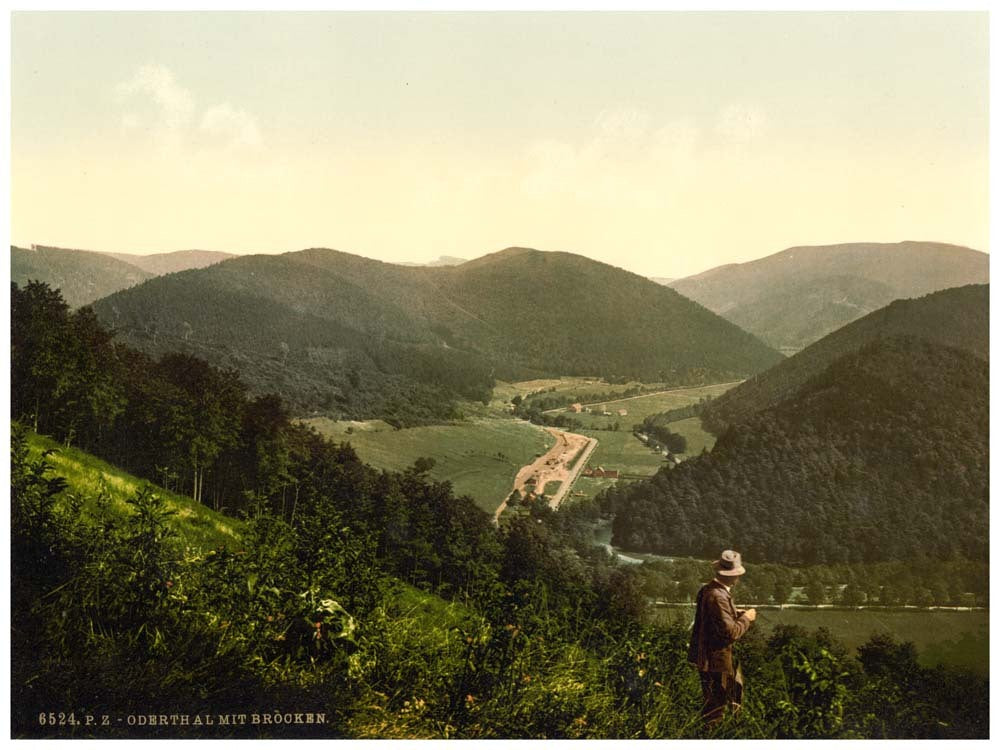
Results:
<point x="921" y="582"/>
<point x="656" y="427"/>
<point x="884" y="456"/>
<point x="550" y="400"/>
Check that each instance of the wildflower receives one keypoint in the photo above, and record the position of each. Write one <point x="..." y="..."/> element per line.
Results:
<point x="526" y="678"/>
<point x="470" y="699"/>
<point x="319" y="625"/>
<point x="168" y="584"/>
<point x="658" y="684"/>
<point x="270" y="618"/>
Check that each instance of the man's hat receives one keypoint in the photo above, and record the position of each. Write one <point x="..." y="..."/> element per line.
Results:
<point x="729" y="564"/>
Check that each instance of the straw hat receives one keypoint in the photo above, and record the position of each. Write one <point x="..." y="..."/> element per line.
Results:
<point x="729" y="564"/>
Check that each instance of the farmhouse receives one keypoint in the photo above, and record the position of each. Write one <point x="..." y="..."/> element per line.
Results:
<point x="575" y="408"/>
<point x="623" y="412"/>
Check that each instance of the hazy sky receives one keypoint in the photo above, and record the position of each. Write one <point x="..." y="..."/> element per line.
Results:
<point x="664" y="143"/>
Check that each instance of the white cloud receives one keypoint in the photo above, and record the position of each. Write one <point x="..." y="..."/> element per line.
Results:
<point x="155" y="103"/>
<point x="626" y="158"/>
<point x="156" y="82"/>
<point x="236" y="126"/>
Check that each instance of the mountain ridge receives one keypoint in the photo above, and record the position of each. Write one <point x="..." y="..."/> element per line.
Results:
<point x="796" y="296"/>
<point x="956" y="317"/>
<point x="518" y="313"/>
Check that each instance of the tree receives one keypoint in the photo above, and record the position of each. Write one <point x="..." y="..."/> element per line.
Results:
<point x="815" y="592"/>
<point x="852" y="596"/>
<point x="782" y="589"/>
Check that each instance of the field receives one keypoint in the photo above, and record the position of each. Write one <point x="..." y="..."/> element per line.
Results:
<point x="697" y="439"/>
<point x="479" y="457"/>
<point x="624" y="451"/>
<point x="941" y="636"/>
<point x="640" y="407"/>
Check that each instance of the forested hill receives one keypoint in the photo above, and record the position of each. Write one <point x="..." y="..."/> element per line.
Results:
<point x="882" y="456"/>
<point x="349" y="336"/>
<point x="83" y="276"/>
<point x="80" y="275"/>
<point x="953" y="317"/>
<point x="180" y="260"/>
<point x="570" y="315"/>
<point x="795" y="297"/>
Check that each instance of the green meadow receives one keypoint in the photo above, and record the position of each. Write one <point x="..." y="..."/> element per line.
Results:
<point x="479" y="457"/>
<point x="623" y="451"/>
<point x="697" y="439"/>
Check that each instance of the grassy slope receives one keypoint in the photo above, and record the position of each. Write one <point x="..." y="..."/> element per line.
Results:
<point x="87" y="476"/>
<point x="466" y="454"/>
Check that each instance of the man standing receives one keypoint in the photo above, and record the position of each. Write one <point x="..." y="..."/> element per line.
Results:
<point x="717" y="624"/>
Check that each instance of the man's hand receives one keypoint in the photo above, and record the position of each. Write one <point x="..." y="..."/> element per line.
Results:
<point x="750" y="614"/>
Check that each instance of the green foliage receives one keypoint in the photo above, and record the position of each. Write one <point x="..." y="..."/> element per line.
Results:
<point x="883" y="456"/>
<point x="349" y="337"/>
<point x="816" y="694"/>
<point x="953" y="317"/>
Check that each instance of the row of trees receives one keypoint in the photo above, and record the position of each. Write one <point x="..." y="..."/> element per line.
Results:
<point x="920" y="583"/>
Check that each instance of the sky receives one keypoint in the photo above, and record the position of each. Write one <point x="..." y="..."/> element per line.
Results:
<point x="663" y="143"/>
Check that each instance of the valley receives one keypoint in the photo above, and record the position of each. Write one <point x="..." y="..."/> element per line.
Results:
<point x="489" y="454"/>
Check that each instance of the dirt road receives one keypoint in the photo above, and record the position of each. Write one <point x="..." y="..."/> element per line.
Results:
<point x="554" y="466"/>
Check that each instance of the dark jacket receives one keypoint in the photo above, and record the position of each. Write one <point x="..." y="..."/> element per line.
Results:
<point x="716" y="626"/>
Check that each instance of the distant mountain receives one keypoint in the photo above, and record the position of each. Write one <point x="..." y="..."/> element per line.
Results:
<point x="182" y="260"/>
<point x="82" y="276"/>
<point x="884" y="455"/>
<point x="799" y="295"/>
<point x="662" y="280"/>
<point x="953" y="317"/>
<point x="350" y="336"/>
<point x="444" y="260"/>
